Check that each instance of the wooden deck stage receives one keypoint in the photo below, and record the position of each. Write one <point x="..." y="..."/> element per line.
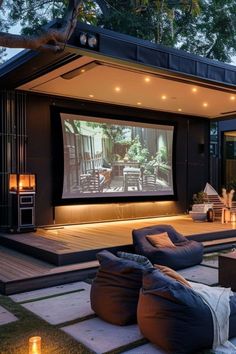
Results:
<point x="58" y="255"/>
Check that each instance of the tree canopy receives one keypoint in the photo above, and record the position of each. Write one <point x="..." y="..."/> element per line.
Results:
<point x="205" y="28"/>
<point x="202" y="27"/>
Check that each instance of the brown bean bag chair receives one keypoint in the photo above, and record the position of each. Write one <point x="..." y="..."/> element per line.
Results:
<point x="115" y="290"/>
<point x="173" y="316"/>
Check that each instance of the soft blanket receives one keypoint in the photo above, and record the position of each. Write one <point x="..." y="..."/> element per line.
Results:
<point x="217" y="299"/>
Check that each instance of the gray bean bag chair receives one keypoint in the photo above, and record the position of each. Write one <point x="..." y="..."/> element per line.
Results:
<point x="174" y="317"/>
<point x="186" y="253"/>
<point x="115" y="289"/>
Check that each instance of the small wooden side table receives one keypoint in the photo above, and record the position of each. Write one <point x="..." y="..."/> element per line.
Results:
<point x="227" y="270"/>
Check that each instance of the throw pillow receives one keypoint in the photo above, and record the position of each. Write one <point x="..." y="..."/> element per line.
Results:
<point x="144" y="261"/>
<point x="172" y="274"/>
<point x="160" y="240"/>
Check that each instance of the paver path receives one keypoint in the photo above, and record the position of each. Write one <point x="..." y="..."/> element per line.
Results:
<point x="6" y="316"/>
<point x="68" y="306"/>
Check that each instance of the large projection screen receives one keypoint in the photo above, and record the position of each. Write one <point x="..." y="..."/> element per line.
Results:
<point x="116" y="158"/>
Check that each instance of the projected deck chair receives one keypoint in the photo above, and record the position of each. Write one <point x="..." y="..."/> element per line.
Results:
<point x="149" y="183"/>
<point x="92" y="182"/>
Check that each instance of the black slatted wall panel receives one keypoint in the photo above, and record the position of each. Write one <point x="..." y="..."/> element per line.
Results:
<point x="13" y="142"/>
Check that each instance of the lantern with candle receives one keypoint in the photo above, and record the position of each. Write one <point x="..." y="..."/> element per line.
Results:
<point x="35" y="345"/>
<point x="22" y="189"/>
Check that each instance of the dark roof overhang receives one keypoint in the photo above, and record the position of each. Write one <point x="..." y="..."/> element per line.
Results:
<point x="28" y="65"/>
<point x="119" y="53"/>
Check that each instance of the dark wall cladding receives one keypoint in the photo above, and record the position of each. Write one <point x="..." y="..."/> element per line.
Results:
<point x="153" y="57"/>
<point x="189" y="163"/>
<point x="184" y="65"/>
<point x="201" y="69"/>
<point x="215" y="73"/>
<point x="121" y="49"/>
<point x="13" y="142"/>
<point x="230" y="76"/>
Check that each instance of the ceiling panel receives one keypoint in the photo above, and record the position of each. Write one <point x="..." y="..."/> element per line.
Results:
<point x="125" y="86"/>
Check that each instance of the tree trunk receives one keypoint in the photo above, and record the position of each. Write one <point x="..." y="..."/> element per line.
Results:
<point x="53" y="39"/>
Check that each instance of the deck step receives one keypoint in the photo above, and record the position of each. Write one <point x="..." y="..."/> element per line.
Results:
<point x="228" y="240"/>
<point x="20" y="272"/>
<point x="54" y="251"/>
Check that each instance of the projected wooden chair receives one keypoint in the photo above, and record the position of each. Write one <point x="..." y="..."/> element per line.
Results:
<point x="84" y="182"/>
<point x="148" y="182"/>
<point x="131" y="180"/>
<point x="95" y="182"/>
<point x="92" y="182"/>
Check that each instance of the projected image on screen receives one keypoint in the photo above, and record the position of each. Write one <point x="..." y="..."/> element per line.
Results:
<point x="106" y="157"/>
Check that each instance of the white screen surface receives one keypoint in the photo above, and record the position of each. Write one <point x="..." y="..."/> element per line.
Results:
<point x="113" y="158"/>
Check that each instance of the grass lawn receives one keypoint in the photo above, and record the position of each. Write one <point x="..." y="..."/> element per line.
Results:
<point x="14" y="336"/>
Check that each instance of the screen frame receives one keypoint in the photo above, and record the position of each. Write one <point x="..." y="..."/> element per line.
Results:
<point x="57" y="147"/>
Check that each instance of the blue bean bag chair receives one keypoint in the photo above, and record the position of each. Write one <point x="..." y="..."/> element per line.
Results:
<point x="174" y="317"/>
<point x="186" y="253"/>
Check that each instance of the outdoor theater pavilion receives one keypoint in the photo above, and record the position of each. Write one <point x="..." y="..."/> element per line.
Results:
<point x="76" y="119"/>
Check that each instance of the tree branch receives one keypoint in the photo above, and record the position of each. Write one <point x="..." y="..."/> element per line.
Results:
<point x="212" y="47"/>
<point x="53" y="39"/>
<point x="104" y="6"/>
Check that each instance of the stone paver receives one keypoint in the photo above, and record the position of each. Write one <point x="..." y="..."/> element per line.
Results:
<point x="101" y="336"/>
<point x="200" y="274"/>
<point x="6" y="316"/>
<point x="55" y="290"/>
<point x="145" y="349"/>
<point x="62" y="308"/>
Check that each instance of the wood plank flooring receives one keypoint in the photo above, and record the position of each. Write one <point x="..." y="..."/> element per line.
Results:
<point x="15" y="265"/>
<point x="109" y="234"/>
<point x="21" y="272"/>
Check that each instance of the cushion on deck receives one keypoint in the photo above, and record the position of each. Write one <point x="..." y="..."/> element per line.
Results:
<point x="115" y="290"/>
<point x="174" y="317"/>
<point x="160" y="240"/>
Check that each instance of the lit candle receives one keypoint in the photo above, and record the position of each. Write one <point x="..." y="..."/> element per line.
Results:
<point x="35" y="345"/>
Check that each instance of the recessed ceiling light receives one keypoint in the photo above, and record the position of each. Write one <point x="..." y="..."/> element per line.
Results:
<point x="82" y="70"/>
<point x="205" y="104"/>
<point x="232" y="98"/>
<point x="91" y="96"/>
<point x="139" y="103"/>
<point x="117" y="88"/>
<point x="194" y="89"/>
<point x="163" y="97"/>
<point x="180" y="109"/>
<point x="147" y="79"/>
